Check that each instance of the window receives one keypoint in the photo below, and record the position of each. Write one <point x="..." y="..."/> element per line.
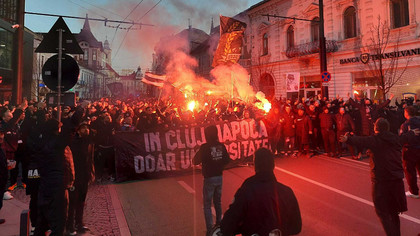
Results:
<point x="399" y="12"/>
<point x="350" y="23"/>
<point x="86" y="54"/>
<point x="94" y="55"/>
<point x="6" y="49"/>
<point x="265" y="44"/>
<point x="290" y="37"/>
<point x="315" y="29"/>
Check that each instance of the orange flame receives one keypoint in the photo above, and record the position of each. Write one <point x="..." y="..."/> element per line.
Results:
<point x="191" y="105"/>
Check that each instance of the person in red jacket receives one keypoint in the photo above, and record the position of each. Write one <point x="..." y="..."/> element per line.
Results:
<point x="344" y="125"/>
<point x="327" y="130"/>
<point x="287" y="122"/>
<point x="303" y="130"/>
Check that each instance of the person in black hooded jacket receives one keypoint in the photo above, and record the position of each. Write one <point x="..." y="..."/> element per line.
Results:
<point x="386" y="172"/>
<point x="214" y="157"/>
<point x="262" y="205"/>
<point x="411" y="151"/>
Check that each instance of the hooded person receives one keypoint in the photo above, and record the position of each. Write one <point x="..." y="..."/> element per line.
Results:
<point x="214" y="157"/>
<point x="262" y="205"/>
<point x="386" y="172"/>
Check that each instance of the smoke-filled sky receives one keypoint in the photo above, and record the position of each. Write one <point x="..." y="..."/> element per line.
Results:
<point x="135" y="47"/>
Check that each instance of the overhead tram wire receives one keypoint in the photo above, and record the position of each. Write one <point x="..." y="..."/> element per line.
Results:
<point x="101" y="8"/>
<point x="87" y="9"/>
<point x="116" y="53"/>
<point x="92" y="19"/>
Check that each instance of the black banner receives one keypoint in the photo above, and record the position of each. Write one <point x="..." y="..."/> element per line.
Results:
<point x="165" y="153"/>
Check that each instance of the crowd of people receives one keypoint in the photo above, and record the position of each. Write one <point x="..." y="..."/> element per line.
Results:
<point x="36" y="145"/>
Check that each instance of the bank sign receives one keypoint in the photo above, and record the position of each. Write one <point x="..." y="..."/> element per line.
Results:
<point x="365" y="57"/>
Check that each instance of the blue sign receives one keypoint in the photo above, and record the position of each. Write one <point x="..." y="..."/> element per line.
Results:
<point x="326" y="76"/>
<point x="41" y="85"/>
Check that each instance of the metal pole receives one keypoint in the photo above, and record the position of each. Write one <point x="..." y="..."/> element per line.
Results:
<point x="60" y="55"/>
<point x="19" y="57"/>
<point x="322" y="47"/>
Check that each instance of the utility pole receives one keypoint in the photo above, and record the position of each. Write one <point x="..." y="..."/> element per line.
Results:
<point x="322" y="48"/>
<point x="17" y="83"/>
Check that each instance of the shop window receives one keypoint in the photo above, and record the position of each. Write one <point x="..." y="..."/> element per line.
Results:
<point x="399" y="13"/>
<point x="265" y="44"/>
<point x="6" y="47"/>
<point x="290" y="37"/>
<point x="315" y="29"/>
<point x="350" y="23"/>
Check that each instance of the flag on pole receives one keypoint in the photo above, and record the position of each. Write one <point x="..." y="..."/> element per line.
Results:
<point x="153" y="79"/>
<point x="230" y="43"/>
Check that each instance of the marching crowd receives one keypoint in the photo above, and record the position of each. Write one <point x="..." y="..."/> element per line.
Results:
<point x="32" y="140"/>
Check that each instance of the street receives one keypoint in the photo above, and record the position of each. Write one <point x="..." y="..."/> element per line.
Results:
<point x="334" y="196"/>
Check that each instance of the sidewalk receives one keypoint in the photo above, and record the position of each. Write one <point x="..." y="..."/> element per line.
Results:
<point x="103" y="214"/>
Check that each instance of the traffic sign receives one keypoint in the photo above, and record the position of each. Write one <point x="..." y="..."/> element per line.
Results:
<point x="70" y="73"/>
<point x="326" y="76"/>
<point x="49" y="43"/>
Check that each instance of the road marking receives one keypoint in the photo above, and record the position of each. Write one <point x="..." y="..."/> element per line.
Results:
<point x="355" y="161"/>
<point x="186" y="186"/>
<point x="407" y="217"/>
<point x="345" y="163"/>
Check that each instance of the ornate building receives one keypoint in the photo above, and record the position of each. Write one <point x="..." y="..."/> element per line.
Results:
<point x="281" y="46"/>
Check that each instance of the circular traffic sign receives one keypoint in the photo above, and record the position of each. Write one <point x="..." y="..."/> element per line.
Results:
<point x="326" y="76"/>
<point x="69" y="73"/>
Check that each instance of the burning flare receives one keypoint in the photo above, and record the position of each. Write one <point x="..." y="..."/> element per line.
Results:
<point x="191" y="105"/>
<point x="264" y="104"/>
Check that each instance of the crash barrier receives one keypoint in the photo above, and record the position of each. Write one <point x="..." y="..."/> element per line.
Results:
<point x="169" y="152"/>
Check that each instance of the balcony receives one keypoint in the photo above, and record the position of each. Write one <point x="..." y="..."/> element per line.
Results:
<point x="310" y="48"/>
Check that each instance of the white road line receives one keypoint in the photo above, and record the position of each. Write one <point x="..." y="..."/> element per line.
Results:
<point x="192" y="191"/>
<point x="187" y="187"/>
<point x="410" y="218"/>
<point x="355" y="161"/>
<point x="345" y="163"/>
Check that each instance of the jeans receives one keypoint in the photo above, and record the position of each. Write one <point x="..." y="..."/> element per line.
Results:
<point x="212" y="189"/>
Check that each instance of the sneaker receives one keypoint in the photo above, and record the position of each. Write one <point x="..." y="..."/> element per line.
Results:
<point x="409" y="194"/>
<point x="13" y="187"/>
<point x="7" y="196"/>
<point x="82" y="229"/>
<point x="2" y="221"/>
<point x="71" y="233"/>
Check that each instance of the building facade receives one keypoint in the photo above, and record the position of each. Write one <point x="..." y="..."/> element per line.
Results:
<point x="8" y="52"/>
<point x="280" y="47"/>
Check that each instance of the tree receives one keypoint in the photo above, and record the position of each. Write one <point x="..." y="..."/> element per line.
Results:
<point x="384" y="65"/>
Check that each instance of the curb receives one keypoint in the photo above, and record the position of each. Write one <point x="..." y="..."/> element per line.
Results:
<point x="119" y="213"/>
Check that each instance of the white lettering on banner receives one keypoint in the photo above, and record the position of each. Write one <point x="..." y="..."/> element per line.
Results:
<point x="178" y="139"/>
<point x="140" y="165"/>
<point x="219" y="133"/>
<point x="233" y="151"/>
<point x="227" y="135"/>
<point x="150" y="163"/>
<point x="245" y="144"/>
<point x="245" y="129"/>
<point x="160" y="164"/>
<point x="170" y="161"/>
<point x="236" y="129"/>
<point x="139" y="162"/>
<point x="171" y="146"/>
<point x="251" y="149"/>
<point x="146" y="142"/>
<point x="191" y="142"/>
<point x="263" y="130"/>
<point x="252" y="131"/>
<point x="186" y="158"/>
<point x="203" y="137"/>
<point x="155" y="142"/>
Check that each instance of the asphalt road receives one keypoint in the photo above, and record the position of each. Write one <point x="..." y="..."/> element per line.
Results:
<point x="334" y="197"/>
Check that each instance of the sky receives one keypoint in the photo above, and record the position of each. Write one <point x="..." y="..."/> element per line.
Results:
<point x="133" y="48"/>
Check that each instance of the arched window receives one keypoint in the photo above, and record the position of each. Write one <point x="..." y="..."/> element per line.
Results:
<point x="399" y="13"/>
<point x="267" y="85"/>
<point x="265" y="44"/>
<point x="350" y="23"/>
<point x="290" y="37"/>
<point x="315" y="29"/>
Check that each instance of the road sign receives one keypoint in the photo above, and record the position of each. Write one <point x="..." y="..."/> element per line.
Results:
<point x="70" y="73"/>
<point x="326" y="76"/>
<point x="49" y="43"/>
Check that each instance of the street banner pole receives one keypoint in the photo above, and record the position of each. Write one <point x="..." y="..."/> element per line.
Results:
<point x="60" y="56"/>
